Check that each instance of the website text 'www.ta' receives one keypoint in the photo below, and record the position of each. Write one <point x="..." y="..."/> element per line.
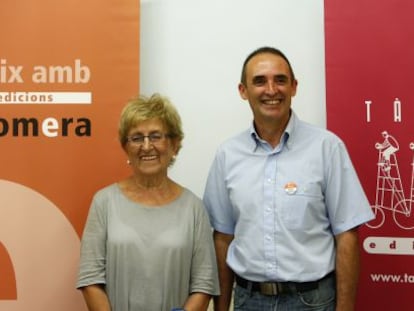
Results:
<point x="392" y="278"/>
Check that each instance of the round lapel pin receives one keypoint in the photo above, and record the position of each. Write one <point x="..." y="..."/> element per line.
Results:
<point x="291" y="188"/>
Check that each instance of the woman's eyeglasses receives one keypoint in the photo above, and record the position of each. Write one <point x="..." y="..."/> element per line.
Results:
<point x="154" y="138"/>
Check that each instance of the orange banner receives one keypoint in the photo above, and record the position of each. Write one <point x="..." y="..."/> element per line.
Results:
<point x="66" y="69"/>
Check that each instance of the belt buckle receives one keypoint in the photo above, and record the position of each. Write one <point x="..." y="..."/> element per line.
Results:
<point x="270" y="289"/>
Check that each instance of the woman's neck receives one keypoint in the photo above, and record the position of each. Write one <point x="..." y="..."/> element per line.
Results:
<point x="153" y="183"/>
<point x="152" y="191"/>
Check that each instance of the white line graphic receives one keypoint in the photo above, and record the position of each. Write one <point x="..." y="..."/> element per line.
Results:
<point x="43" y="98"/>
<point x="389" y="189"/>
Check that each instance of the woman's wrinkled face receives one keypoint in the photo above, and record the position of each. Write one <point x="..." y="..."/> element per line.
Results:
<point x="150" y="148"/>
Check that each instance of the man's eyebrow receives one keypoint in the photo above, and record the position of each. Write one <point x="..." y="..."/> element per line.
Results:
<point x="258" y="78"/>
<point x="282" y="76"/>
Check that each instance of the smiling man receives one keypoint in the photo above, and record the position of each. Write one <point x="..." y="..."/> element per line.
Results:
<point x="285" y="203"/>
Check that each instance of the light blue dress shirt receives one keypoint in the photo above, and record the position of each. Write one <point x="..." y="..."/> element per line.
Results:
<point x="284" y="205"/>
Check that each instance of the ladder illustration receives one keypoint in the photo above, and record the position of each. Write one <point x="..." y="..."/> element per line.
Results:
<point x="389" y="193"/>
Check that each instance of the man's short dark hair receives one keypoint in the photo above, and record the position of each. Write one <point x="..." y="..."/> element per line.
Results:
<point x="263" y="50"/>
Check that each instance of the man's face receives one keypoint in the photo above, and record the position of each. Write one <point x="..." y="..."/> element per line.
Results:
<point x="269" y="88"/>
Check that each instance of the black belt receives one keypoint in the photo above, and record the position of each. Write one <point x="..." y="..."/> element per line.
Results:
<point x="277" y="288"/>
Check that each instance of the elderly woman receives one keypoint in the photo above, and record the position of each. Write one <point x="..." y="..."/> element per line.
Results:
<point x="147" y="243"/>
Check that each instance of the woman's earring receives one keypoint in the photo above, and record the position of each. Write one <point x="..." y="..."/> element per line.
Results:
<point x="128" y="162"/>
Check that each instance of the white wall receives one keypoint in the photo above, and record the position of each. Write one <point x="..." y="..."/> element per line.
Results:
<point x="192" y="51"/>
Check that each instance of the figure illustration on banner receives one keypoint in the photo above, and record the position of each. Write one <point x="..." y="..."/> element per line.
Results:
<point x="389" y="194"/>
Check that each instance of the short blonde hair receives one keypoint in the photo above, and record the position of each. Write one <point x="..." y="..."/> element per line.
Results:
<point x="143" y="108"/>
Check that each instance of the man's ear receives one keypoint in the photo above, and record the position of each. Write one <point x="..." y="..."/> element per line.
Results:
<point x="295" y="86"/>
<point x="242" y="91"/>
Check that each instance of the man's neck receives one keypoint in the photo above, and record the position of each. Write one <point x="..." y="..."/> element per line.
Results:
<point x="271" y="131"/>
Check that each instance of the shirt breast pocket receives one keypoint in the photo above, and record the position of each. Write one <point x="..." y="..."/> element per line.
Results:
<point x="302" y="206"/>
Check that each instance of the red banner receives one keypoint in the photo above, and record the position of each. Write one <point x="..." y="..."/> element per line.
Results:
<point x="66" y="70"/>
<point x="369" y="72"/>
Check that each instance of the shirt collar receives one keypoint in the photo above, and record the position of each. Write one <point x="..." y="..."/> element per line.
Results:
<point x="286" y="140"/>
